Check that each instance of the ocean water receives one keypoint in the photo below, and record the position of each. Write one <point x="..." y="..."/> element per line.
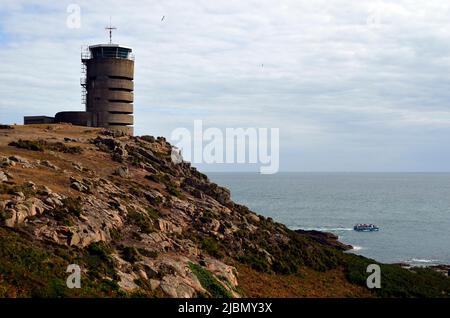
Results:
<point x="411" y="209"/>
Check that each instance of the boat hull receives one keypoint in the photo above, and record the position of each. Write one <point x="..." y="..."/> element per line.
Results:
<point x="366" y="230"/>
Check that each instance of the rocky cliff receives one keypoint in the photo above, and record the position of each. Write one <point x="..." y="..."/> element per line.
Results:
<point x="140" y="225"/>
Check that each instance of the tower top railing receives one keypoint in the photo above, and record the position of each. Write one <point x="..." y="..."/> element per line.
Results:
<point x="106" y="51"/>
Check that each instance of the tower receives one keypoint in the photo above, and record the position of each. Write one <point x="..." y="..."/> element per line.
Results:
<point x="107" y="90"/>
<point x="109" y="86"/>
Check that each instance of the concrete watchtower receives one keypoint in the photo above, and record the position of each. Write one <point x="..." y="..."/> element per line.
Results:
<point x="108" y="86"/>
<point x="107" y="90"/>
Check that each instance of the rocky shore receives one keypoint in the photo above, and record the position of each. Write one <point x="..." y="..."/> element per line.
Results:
<point x="325" y="238"/>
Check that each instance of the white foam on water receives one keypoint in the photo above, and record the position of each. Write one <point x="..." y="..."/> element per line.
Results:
<point x="357" y="248"/>
<point x="421" y="260"/>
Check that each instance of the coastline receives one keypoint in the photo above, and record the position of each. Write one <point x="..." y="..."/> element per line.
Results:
<point x="331" y="239"/>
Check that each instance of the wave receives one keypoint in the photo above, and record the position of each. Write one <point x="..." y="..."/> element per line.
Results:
<point x="422" y="260"/>
<point x="357" y="248"/>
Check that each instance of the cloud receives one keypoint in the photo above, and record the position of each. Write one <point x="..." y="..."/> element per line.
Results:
<point x="343" y="80"/>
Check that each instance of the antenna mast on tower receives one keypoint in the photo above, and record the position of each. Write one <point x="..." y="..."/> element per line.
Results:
<point x="110" y="28"/>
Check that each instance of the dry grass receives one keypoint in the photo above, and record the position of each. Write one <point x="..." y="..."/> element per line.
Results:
<point x="57" y="180"/>
<point x="308" y="283"/>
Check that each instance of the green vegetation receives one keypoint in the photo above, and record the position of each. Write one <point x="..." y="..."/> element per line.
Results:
<point x="34" y="145"/>
<point x="397" y="281"/>
<point x="116" y="234"/>
<point x="153" y="213"/>
<point x="61" y="147"/>
<point x="26" y="189"/>
<point x="255" y="260"/>
<point x="130" y="254"/>
<point x="34" y="270"/>
<point x="206" y="217"/>
<point x="153" y="177"/>
<point x="5" y="215"/>
<point x="209" y="282"/>
<point x="301" y="251"/>
<point x="100" y="262"/>
<point x="41" y="145"/>
<point x="100" y="249"/>
<point x="147" y="138"/>
<point x="142" y="221"/>
<point x="71" y="207"/>
<point x="174" y="191"/>
<point x="147" y="253"/>
<point x="286" y="257"/>
<point x="165" y="179"/>
<point x="211" y="246"/>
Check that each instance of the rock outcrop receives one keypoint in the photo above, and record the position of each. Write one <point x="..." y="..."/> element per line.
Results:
<point x="325" y="238"/>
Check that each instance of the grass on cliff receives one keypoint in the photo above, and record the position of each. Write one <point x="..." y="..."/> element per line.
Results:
<point x="209" y="282"/>
<point x="31" y="270"/>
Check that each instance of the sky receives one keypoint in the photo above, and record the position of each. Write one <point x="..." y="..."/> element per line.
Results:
<point x="352" y="85"/>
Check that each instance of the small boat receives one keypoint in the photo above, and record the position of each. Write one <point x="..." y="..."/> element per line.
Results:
<point x="366" y="228"/>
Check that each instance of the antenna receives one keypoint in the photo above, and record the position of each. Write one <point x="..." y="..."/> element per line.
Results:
<point x="110" y="28"/>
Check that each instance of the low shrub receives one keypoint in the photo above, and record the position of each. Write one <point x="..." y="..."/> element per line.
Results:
<point x="147" y="253"/>
<point x="70" y="208"/>
<point x="144" y="224"/>
<point x="174" y="191"/>
<point x="41" y="145"/>
<point x="130" y="254"/>
<point x="153" y="213"/>
<point x="209" y="282"/>
<point x="397" y="281"/>
<point x="211" y="246"/>
<point x="33" y="145"/>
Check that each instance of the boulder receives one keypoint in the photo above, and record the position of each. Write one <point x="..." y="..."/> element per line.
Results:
<point x="18" y="159"/>
<point x="127" y="281"/>
<point x="168" y="227"/>
<point x="222" y="270"/>
<point x="77" y="166"/>
<point x="122" y="172"/>
<point x="48" y="164"/>
<point x="253" y="218"/>
<point x="6" y="162"/>
<point x="3" y="177"/>
<point x="84" y="185"/>
<point x="214" y="225"/>
<point x="154" y="284"/>
<point x="78" y="186"/>
<point x="176" y="287"/>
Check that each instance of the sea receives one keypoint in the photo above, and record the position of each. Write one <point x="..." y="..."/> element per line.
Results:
<point x="412" y="210"/>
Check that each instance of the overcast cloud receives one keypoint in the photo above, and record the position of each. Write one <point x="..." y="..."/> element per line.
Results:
<point x="353" y="85"/>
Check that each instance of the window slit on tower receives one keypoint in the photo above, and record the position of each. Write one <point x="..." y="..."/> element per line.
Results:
<point x="120" y="89"/>
<point x="119" y="101"/>
<point x="120" y="78"/>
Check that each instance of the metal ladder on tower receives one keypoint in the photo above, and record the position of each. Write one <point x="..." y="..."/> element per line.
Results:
<point x="83" y="82"/>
